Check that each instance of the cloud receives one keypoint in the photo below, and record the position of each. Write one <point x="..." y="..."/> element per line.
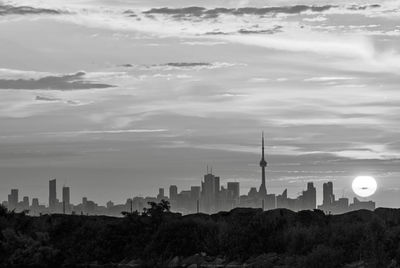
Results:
<point x="363" y="7"/>
<point x="93" y="132"/>
<point x="67" y="82"/>
<point x="26" y="10"/>
<point x="184" y="66"/>
<point x="203" y="43"/>
<point x="214" y="13"/>
<point x="328" y="78"/>
<point x="52" y="99"/>
<point x="187" y="64"/>
<point x="275" y="29"/>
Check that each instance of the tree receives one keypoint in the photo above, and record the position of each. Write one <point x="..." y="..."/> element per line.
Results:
<point x="157" y="209"/>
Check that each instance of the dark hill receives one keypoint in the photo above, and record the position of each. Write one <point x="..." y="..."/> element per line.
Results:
<point x="242" y="237"/>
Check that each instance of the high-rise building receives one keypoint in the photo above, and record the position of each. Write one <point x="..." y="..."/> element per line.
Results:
<point x="263" y="188"/>
<point x="173" y="192"/>
<point x="210" y="192"/>
<point x="66" y="199"/>
<point x="234" y="188"/>
<point x="53" y="195"/>
<point x="309" y="197"/>
<point x="13" y="199"/>
<point x="35" y="202"/>
<point x="160" y="194"/>
<point x="195" y="192"/>
<point x="25" y="203"/>
<point x="328" y="196"/>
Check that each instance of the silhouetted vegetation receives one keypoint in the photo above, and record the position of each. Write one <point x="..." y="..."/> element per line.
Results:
<point x="159" y="238"/>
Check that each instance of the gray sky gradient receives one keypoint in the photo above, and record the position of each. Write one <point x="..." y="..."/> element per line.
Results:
<point x="115" y="98"/>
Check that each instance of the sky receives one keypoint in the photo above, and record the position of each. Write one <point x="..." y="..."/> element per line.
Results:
<point x="116" y="98"/>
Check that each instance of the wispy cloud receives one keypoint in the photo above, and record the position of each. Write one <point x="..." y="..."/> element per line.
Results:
<point x="26" y="10"/>
<point x="66" y="82"/>
<point x="95" y="132"/>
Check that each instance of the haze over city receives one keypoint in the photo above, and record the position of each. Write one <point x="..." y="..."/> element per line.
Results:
<point x="116" y="99"/>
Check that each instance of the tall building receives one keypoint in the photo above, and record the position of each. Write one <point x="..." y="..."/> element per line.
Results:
<point x="263" y="188"/>
<point x="328" y="196"/>
<point x="13" y="199"/>
<point x="160" y="194"/>
<point x="234" y="188"/>
<point x="195" y="192"/>
<point x="173" y="192"/>
<point x="66" y="199"/>
<point x="53" y="195"/>
<point x="25" y="203"/>
<point x="210" y="192"/>
<point x="310" y="197"/>
<point x="173" y="196"/>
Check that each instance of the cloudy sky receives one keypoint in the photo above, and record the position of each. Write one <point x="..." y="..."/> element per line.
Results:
<point x="116" y="98"/>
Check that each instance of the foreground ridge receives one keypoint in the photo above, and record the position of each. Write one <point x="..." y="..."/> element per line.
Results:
<point x="242" y="237"/>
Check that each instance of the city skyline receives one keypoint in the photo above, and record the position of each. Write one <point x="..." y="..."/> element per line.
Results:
<point x="210" y="197"/>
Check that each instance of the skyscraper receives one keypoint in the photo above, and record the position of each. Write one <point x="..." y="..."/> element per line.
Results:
<point x="173" y="192"/>
<point x="310" y="197"/>
<point x="210" y="192"/>
<point x="25" y="203"/>
<point x="263" y="188"/>
<point x="52" y="195"/>
<point x="160" y="194"/>
<point x="13" y="199"/>
<point x="234" y="188"/>
<point x="66" y="199"/>
<point x="328" y="197"/>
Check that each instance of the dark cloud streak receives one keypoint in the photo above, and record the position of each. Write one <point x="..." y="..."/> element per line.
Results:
<point x="214" y="13"/>
<point x="66" y="82"/>
<point x="26" y="10"/>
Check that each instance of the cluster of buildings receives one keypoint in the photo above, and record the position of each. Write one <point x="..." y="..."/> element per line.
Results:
<point x="210" y="197"/>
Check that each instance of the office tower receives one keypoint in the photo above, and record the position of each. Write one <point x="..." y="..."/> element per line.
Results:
<point x="66" y="199"/>
<point x="160" y="194"/>
<point x="282" y="200"/>
<point x="13" y="199"/>
<point x="209" y="192"/>
<point x="173" y="192"/>
<point x="234" y="188"/>
<point x="34" y="209"/>
<point x="35" y="202"/>
<point x="25" y="203"/>
<point x="328" y="197"/>
<point x="263" y="188"/>
<point x="253" y="192"/>
<point x="309" y="197"/>
<point x="53" y="195"/>
<point x="195" y="192"/>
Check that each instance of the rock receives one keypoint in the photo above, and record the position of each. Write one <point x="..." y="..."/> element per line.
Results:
<point x="234" y="264"/>
<point x="359" y="264"/>
<point x="262" y="261"/>
<point x="196" y="259"/>
<point x="174" y="262"/>
<point x="134" y="263"/>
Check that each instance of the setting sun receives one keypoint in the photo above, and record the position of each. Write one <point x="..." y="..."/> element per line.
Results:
<point x="364" y="186"/>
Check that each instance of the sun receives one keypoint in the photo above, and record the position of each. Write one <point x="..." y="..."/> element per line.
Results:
<point x="364" y="186"/>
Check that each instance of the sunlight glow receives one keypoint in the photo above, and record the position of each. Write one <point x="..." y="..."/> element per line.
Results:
<point x="364" y="186"/>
